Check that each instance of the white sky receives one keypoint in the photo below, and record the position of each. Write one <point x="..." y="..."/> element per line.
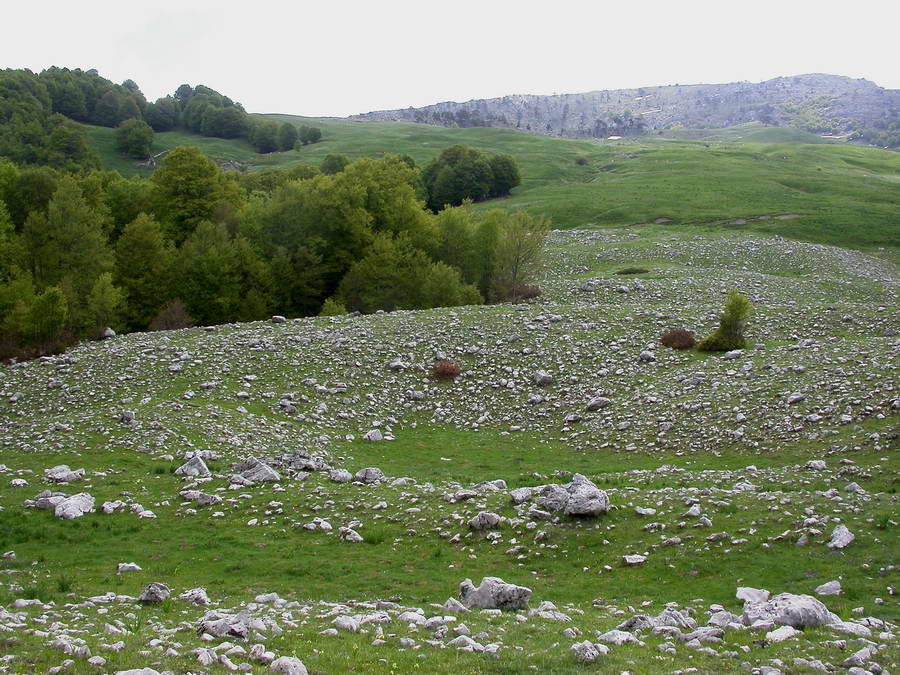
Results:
<point x="332" y="57"/>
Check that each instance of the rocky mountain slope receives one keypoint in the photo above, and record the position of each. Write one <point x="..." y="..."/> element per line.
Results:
<point x="817" y="102"/>
<point x="301" y="496"/>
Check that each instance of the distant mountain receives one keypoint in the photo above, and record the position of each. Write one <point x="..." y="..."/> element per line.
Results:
<point x="825" y="104"/>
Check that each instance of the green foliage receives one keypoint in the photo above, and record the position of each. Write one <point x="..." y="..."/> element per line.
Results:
<point x="218" y="278"/>
<point x="333" y="164"/>
<point x="519" y="255"/>
<point x="104" y="302"/>
<point x="163" y="115"/>
<point x="395" y="275"/>
<point x="264" y="136"/>
<point x="287" y="136"/>
<point x="730" y="333"/>
<point x="308" y="134"/>
<point x="47" y="316"/>
<point x="143" y="261"/>
<point x="332" y="307"/>
<point x="461" y="173"/>
<point x="67" y="243"/>
<point x="190" y="188"/>
<point x="134" y="138"/>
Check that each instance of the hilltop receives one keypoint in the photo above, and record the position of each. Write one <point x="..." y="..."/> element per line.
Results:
<point x="827" y="104"/>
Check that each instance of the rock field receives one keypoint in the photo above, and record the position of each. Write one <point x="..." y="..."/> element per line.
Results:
<point x="298" y="496"/>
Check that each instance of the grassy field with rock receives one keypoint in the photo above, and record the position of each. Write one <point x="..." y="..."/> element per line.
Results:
<point x="259" y="495"/>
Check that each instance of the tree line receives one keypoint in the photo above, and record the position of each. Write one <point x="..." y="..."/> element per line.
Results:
<point x="37" y="112"/>
<point x="192" y="244"/>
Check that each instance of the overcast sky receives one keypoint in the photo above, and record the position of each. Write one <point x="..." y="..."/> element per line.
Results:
<point x="346" y="57"/>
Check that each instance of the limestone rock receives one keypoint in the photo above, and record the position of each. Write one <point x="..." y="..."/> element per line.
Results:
<point x="485" y="521"/>
<point x="195" y="466"/>
<point x="288" y="665"/>
<point x="369" y="475"/>
<point x="787" y="609"/>
<point x="154" y="594"/>
<point x="259" y="472"/>
<point x="830" y="588"/>
<point x="493" y="593"/>
<point x="74" y="506"/>
<point x="841" y="537"/>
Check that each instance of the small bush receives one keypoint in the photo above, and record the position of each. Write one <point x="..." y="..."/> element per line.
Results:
<point x="445" y="370"/>
<point x="172" y="316"/>
<point x="528" y="292"/>
<point x="632" y="270"/>
<point x="678" y="339"/>
<point x="65" y="584"/>
<point x="333" y="308"/>
<point x="730" y="333"/>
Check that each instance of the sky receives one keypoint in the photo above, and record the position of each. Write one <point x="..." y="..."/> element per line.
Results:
<point x="346" y="57"/>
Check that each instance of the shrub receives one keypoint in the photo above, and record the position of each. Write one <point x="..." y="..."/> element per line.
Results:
<point x="632" y="270"/>
<point x="678" y="339"/>
<point x="730" y="333"/>
<point x="445" y="370"/>
<point x="332" y="307"/>
<point x="172" y="316"/>
<point x="528" y="292"/>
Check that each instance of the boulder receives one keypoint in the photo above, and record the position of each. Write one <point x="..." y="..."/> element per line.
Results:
<point x="493" y="593"/>
<point x="340" y="476"/>
<point x="288" y="665"/>
<point x="841" y="537"/>
<point x="74" y="506"/>
<point x="585" y="499"/>
<point x="369" y="475"/>
<point x="587" y="652"/>
<point x="752" y="595"/>
<point x="580" y="497"/>
<point x="830" y="588"/>
<point x="259" y="472"/>
<point x="222" y="625"/>
<point x="542" y="378"/>
<point x="63" y="474"/>
<point x="195" y="466"/>
<point x="598" y="403"/>
<point x="154" y="594"/>
<point x="195" y="596"/>
<point x="485" y="521"/>
<point x="373" y="436"/>
<point x="787" y="609"/>
<point x="781" y="634"/>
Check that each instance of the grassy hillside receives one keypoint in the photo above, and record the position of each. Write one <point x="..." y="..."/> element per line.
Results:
<point x="728" y="438"/>
<point x="843" y="195"/>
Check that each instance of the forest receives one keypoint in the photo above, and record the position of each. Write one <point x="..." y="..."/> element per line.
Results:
<point x="84" y="251"/>
<point x="81" y="252"/>
<point x="39" y="116"/>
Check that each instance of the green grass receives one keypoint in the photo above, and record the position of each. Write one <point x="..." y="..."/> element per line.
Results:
<point x="845" y="195"/>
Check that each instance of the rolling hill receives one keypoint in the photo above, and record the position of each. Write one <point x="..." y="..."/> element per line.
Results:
<point x="844" y="195"/>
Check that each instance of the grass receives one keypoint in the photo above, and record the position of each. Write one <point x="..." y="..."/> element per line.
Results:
<point x="844" y="195"/>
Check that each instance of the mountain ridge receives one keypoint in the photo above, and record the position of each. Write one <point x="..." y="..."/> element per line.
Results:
<point x="817" y="102"/>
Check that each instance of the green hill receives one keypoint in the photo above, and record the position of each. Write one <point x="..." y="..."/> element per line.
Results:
<point x="843" y="195"/>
